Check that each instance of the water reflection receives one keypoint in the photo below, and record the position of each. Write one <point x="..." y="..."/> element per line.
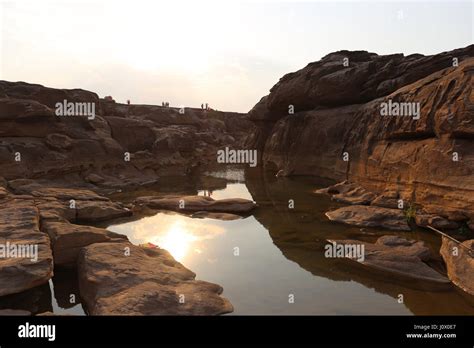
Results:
<point x="281" y="253"/>
<point x="183" y="237"/>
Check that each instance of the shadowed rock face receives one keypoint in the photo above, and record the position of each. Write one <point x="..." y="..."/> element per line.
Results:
<point x="460" y="264"/>
<point x="337" y="110"/>
<point x="160" y="140"/>
<point x="396" y="256"/>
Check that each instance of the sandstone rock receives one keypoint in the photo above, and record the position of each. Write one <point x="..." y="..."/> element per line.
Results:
<point x="64" y="194"/>
<point x="459" y="263"/>
<point x="94" y="178"/>
<point x="53" y="146"/>
<point x="132" y="134"/>
<point x="349" y="193"/>
<point x="58" y="141"/>
<point x="216" y="216"/>
<point x="398" y="257"/>
<point x="3" y="193"/>
<point x="19" y="226"/>
<point x="337" y="110"/>
<point x="67" y="239"/>
<point x="53" y="209"/>
<point x="370" y="216"/>
<point x="197" y="203"/>
<point x="95" y="211"/>
<point x="386" y="200"/>
<point x="14" y="312"/>
<point x="147" y="282"/>
<point x="435" y="221"/>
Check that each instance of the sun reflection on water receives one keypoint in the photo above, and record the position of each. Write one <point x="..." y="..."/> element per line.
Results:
<point x="179" y="235"/>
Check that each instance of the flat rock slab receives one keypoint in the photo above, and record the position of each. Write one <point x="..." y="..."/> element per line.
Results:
<point x="19" y="228"/>
<point x="14" y="312"/>
<point x="198" y="203"/>
<point x="348" y="193"/>
<point x="96" y="211"/>
<point x="67" y="239"/>
<point x="215" y="216"/>
<point x="370" y="216"/>
<point x="149" y="281"/>
<point x="397" y="256"/>
<point x="459" y="263"/>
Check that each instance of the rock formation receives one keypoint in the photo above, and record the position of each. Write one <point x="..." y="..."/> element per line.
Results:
<point x="159" y="140"/>
<point x="146" y="281"/>
<point x="398" y="257"/>
<point x="460" y="264"/>
<point x="337" y="131"/>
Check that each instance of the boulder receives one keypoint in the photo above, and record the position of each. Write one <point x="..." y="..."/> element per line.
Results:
<point x="19" y="230"/>
<point x="197" y="203"/>
<point x="370" y="216"/>
<point x="67" y="239"/>
<point x="424" y="220"/>
<point x="348" y="193"/>
<point x="216" y="216"/>
<point x="386" y="200"/>
<point x="459" y="263"/>
<point x="96" y="211"/>
<point x="397" y="257"/>
<point x="146" y="282"/>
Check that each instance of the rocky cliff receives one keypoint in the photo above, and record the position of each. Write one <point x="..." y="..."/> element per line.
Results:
<point x="337" y="131"/>
<point x="159" y="140"/>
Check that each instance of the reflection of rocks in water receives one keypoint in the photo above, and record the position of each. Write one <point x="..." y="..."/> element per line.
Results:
<point x="186" y="185"/>
<point x="36" y="300"/>
<point x="65" y="284"/>
<point x="420" y="301"/>
<point x="300" y="235"/>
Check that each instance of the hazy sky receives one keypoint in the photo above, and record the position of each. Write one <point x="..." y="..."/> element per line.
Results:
<point x="226" y="53"/>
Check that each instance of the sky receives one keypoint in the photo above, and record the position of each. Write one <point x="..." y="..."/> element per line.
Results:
<point x="227" y="53"/>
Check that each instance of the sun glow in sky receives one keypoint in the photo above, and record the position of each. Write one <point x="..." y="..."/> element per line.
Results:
<point x="227" y="53"/>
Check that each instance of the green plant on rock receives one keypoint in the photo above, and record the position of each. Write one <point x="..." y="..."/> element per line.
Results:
<point x="410" y="212"/>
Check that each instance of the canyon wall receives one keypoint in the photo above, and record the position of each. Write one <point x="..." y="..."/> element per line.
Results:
<point x="160" y="140"/>
<point x="337" y="131"/>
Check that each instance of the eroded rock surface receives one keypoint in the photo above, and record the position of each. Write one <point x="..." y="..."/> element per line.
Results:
<point x="67" y="240"/>
<point x="159" y="140"/>
<point x="337" y="114"/>
<point x="370" y="216"/>
<point x="460" y="264"/>
<point x="198" y="203"/>
<point x="19" y="230"/>
<point x="397" y="256"/>
<point x="147" y="282"/>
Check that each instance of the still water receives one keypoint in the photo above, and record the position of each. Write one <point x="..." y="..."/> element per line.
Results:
<point x="272" y="262"/>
